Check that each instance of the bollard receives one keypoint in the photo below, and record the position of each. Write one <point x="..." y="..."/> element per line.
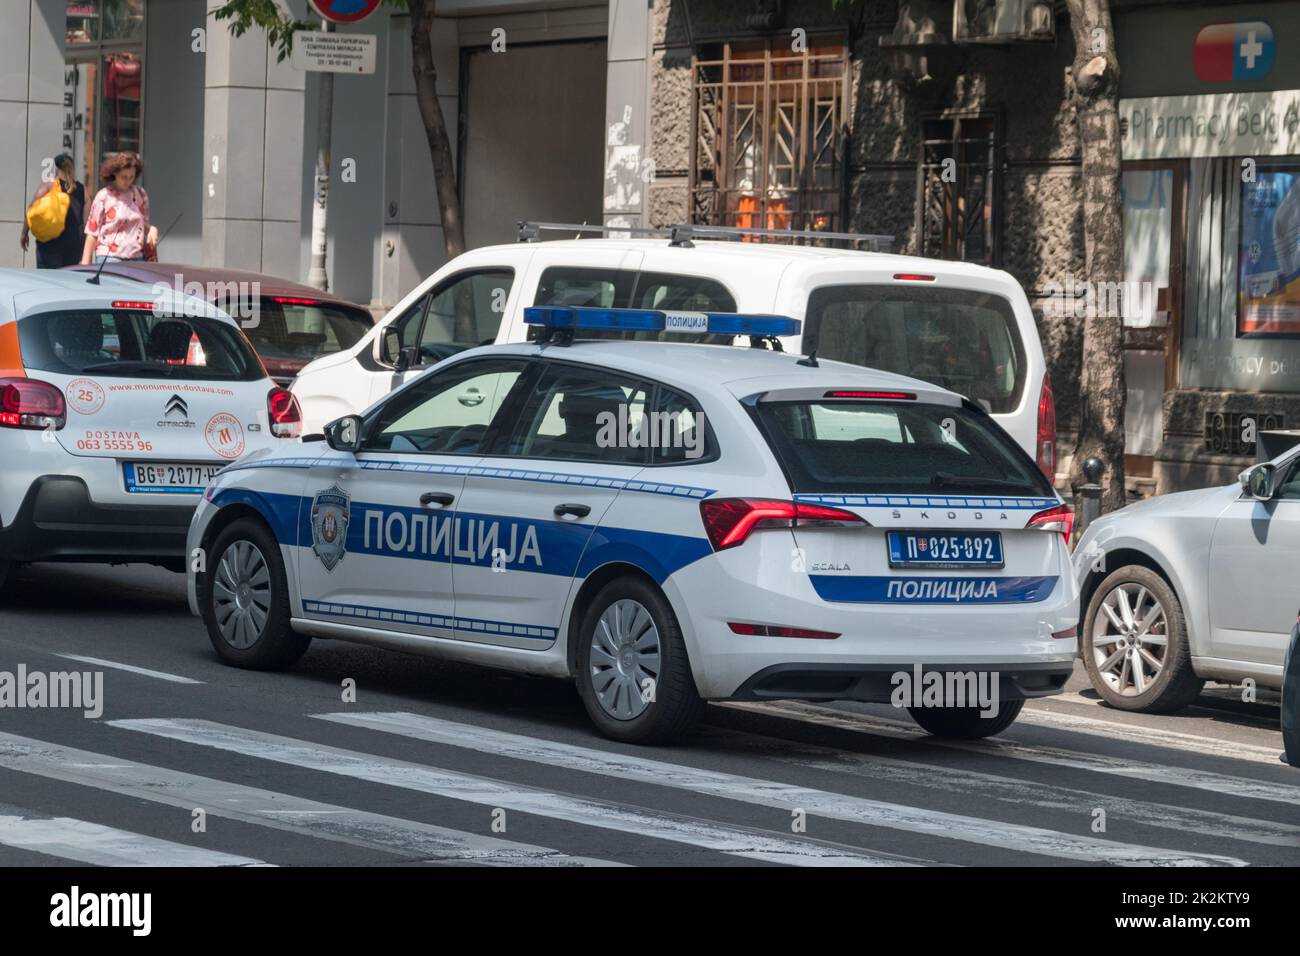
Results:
<point x="1089" y="495"/>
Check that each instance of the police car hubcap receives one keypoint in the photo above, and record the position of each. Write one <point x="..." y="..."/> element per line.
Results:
<point x="1130" y="639"/>
<point x="241" y="594"/>
<point x="625" y="659"/>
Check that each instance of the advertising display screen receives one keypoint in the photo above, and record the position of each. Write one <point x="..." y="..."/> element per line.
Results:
<point x="1268" y="277"/>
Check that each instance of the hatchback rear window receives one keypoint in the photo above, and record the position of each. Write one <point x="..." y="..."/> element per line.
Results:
<point x="131" y="343"/>
<point x="302" y="329"/>
<point x="959" y="339"/>
<point x="904" y="447"/>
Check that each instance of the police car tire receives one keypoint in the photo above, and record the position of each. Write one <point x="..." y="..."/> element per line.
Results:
<point x="1176" y="685"/>
<point x="6" y="568"/>
<point x="677" y="707"/>
<point x="966" y="723"/>
<point x="278" y="646"/>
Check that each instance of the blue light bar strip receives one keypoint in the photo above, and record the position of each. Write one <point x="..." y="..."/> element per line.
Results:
<point x="655" y="320"/>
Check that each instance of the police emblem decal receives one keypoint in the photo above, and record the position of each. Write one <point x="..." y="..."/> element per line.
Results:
<point x="331" y="512"/>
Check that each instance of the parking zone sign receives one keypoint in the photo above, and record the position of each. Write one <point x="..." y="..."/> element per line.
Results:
<point x="345" y="11"/>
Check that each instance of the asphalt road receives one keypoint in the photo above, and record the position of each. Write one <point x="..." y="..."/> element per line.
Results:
<point x="439" y="763"/>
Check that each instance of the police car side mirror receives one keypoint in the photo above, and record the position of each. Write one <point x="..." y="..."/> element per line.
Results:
<point x="1258" y="482"/>
<point x="344" y="434"/>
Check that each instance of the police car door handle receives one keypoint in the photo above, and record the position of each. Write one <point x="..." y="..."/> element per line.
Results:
<point x="577" y="511"/>
<point x="437" y="498"/>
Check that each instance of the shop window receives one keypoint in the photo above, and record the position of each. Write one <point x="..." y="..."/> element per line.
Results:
<point x="958" y="184"/>
<point x="769" y="129"/>
<point x="103" y="81"/>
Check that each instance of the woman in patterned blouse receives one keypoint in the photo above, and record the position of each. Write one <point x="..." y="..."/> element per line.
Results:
<point x="117" y="225"/>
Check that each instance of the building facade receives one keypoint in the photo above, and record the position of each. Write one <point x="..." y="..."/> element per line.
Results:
<point x="947" y="124"/>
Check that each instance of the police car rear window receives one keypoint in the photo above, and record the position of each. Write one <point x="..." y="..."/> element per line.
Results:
<point x="904" y="447"/>
<point x="136" y="343"/>
<point x="964" y="341"/>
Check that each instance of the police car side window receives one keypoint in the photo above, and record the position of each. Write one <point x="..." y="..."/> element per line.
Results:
<point x="447" y="413"/>
<point x="581" y="414"/>
<point x="676" y="430"/>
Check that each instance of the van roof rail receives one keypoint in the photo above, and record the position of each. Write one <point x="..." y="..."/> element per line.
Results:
<point x="531" y="231"/>
<point x="683" y="233"/>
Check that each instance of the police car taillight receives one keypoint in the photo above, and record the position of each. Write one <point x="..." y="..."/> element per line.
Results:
<point x="729" y="521"/>
<point x="1060" y="518"/>
<point x="27" y="403"/>
<point x="285" y="413"/>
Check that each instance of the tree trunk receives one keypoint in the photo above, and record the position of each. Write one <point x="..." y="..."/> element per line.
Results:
<point x="1103" y="393"/>
<point x="435" y="127"/>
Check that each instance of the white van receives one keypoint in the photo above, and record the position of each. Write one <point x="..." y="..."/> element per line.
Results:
<point x="963" y="327"/>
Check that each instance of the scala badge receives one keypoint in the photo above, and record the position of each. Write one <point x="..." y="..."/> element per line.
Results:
<point x="331" y="511"/>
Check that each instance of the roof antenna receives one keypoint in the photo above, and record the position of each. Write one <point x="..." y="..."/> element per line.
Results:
<point x="94" y="280"/>
<point x="810" y="360"/>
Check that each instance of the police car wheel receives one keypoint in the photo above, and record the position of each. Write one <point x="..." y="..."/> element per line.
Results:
<point x="1134" y="644"/>
<point x="966" y="723"/>
<point x="633" y="673"/>
<point x="246" y="600"/>
<point x="6" y="568"/>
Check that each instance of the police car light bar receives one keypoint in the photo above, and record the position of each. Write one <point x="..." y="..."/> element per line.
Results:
<point x="572" y="318"/>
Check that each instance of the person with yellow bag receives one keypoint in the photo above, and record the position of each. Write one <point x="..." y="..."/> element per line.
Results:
<point x="56" y="217"/>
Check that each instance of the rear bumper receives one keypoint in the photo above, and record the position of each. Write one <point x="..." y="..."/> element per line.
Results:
<point x="58" y="521"/>
<point x="876" y="683"/>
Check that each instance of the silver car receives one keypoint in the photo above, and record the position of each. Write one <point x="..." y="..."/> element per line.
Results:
<point x="1185" y="588"/>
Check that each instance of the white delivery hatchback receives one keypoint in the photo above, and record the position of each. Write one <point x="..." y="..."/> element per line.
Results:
<point x="116" y="410"/>
<point x="962" y="327"/>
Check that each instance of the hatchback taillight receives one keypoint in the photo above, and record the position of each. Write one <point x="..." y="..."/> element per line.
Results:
<point x="1046" y="443"/>
<point x="1060" y="518"/>
<point x="729" y="521"/>
<point x="27" y="403"/>
<point x="285" y="413"/>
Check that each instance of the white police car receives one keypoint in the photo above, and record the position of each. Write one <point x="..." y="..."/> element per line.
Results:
<point x="666" y="523"/>
<point x="115" y="413"/>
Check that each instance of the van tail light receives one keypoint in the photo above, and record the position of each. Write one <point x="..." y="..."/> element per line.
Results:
<point x="1060" y="518"/>
<point x="729" y="521"/>
<point x="27" y="403"/>
<point x="285" y="413"/>
<point x="1046" y="443"/>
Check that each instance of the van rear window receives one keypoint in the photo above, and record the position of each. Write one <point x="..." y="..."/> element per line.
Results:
<point x="905" y="447"/>
<point x="136" y="343"/>
<point x="964" y="341"/>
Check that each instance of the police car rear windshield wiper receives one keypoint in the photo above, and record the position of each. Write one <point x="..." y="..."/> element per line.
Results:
<point x="944" y="479"/>
<point x="133" y="366"/>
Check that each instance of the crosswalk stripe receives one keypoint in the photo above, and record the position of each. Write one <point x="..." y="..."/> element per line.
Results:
<point x="142" y="671"/>
<point x="281" y="811"/>
<point x="1154" y="736"/>
<point x="737" y="841"/>
<point x="86" y="842"/>
<point x="768" y="793"/>
<point x="1004" y="746"/>
<point x="979" y="784"/>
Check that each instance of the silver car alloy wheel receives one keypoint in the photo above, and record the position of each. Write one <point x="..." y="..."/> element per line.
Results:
<point x="241" y="594"/>
<point x="625" y="659"/>
<point x="1130" y="639"/>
